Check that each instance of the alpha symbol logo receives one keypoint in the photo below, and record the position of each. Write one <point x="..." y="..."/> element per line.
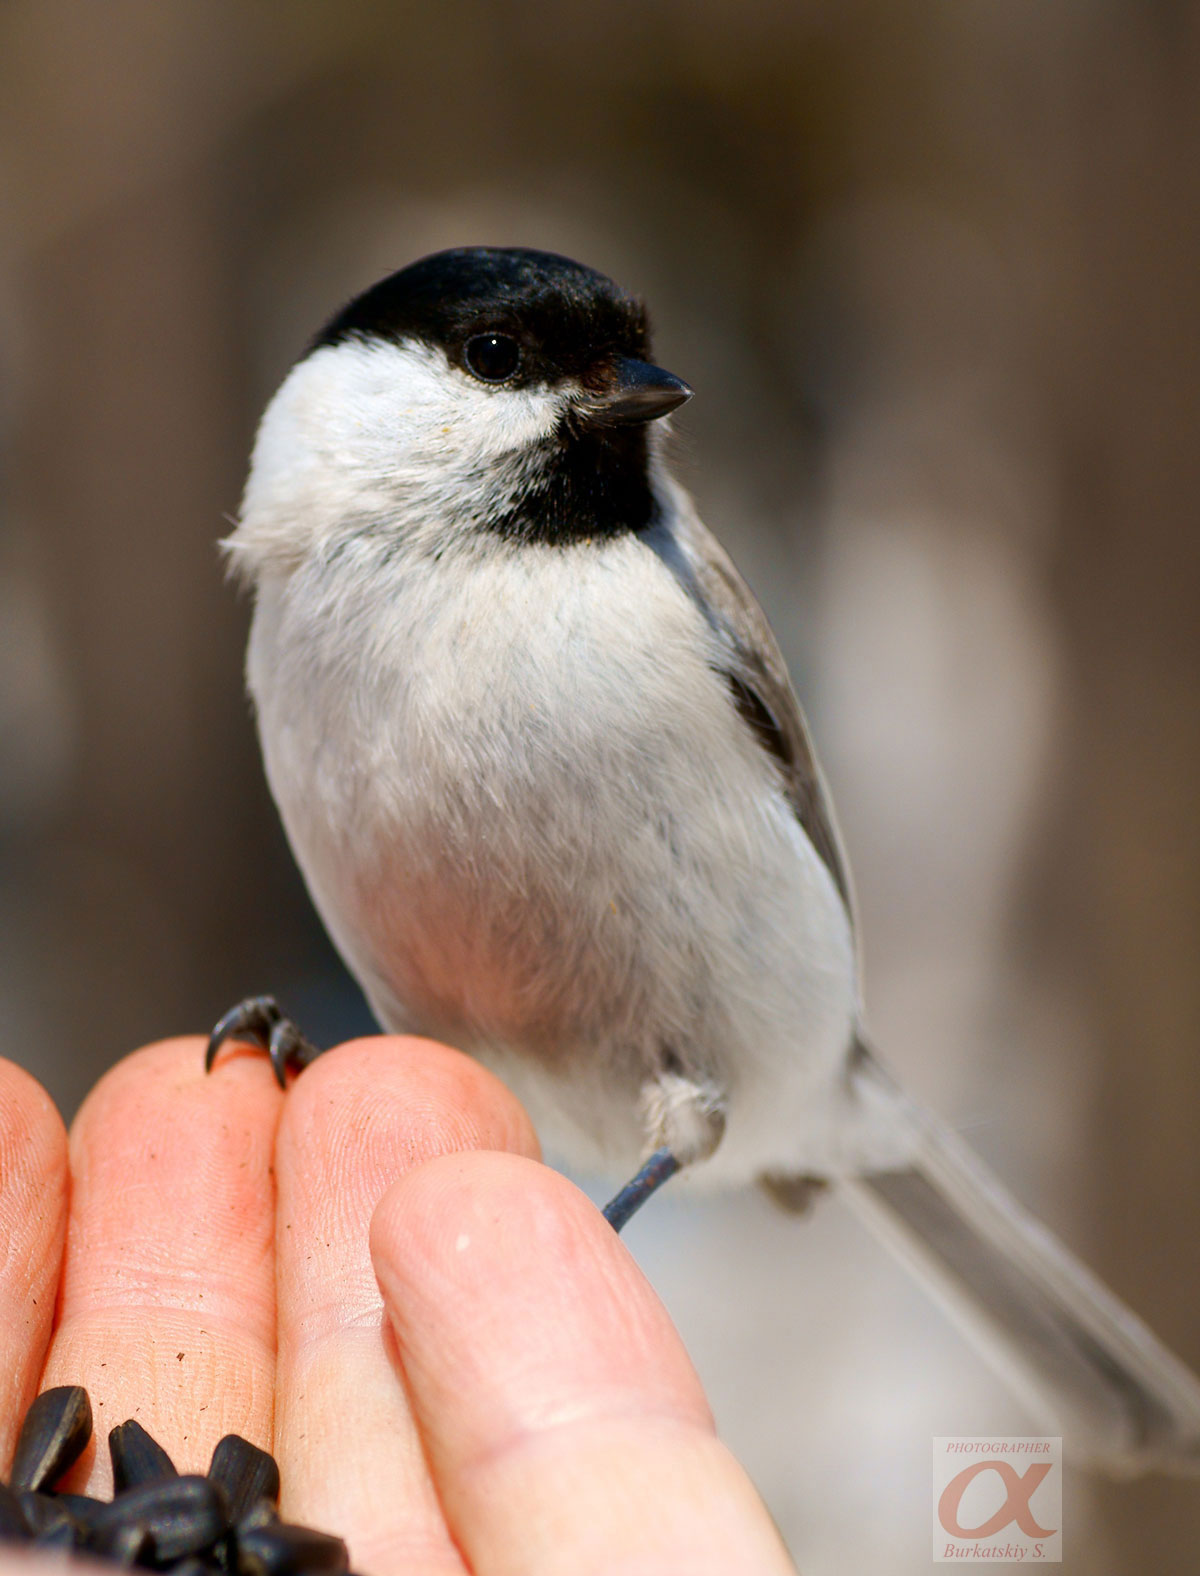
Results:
<point x="998" y="1499"/>
<point x="1019" y="1487"/>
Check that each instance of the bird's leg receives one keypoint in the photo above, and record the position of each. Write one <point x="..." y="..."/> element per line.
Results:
<point x="685" y="1118"/>
<point x="260" y="1020"/>
<point x="661" y="1167"/>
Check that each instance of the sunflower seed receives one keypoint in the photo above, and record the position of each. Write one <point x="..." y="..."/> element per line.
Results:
<point x="82" y="1508"/>
<point x="224" y="1524"/>
<point x="136" y="1458"/>
<point x="125" y="1542"/>
<point x="184" y="1515"/>
<point x="285" y="1550"/>
<point x="245" y="1473"/>
<point x="45" y="1515"/>
<point x="63" y="1534"/>
<point x="56" y="1428"/>
<point x="261" y="1514"/>
<point x="13" y="1526"/>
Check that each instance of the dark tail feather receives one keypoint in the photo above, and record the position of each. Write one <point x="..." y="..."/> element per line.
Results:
<point x="1122" y="1401"/>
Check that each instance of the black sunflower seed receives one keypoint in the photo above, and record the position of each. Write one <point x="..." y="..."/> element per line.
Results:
<point x="45" y="1515"/>
<point x="56" y="1428"/>
<point x="125" y="1542"/>
<point x="82" y="1508"/>
<point x="261" y="1514"/>
<point x="136" y="1458"/>
<point x="183" y="1515"/>
<point x="220" y="1557"/>
<point x="63" y="1534"/>
<point x="224" y="1524"/>
<point x="245" y="1473"/>
<point x="285" y="1550"/>
<point x="13" y="1526"/>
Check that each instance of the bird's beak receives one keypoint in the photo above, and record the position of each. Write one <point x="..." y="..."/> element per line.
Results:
<point x="633" y="392"/>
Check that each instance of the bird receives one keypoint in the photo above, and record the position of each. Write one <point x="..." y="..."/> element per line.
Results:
<point x="541" y="764"/>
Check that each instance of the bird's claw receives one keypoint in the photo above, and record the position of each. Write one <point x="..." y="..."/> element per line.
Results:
<point x="260" y="1020"/>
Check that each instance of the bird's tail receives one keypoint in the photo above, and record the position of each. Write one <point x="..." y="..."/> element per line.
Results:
<point x="1121" y="1400"/>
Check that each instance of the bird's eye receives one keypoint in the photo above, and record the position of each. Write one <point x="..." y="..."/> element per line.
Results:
<point x="492" y="357"/>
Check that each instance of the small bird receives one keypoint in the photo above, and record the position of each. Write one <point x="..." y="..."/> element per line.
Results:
<point x="540" y="762"/>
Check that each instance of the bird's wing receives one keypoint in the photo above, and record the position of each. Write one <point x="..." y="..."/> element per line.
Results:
<point x="754" y="668"/>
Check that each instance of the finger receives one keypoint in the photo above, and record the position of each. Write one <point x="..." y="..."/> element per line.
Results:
<point x="565" y="1426"/>
<point x="168" y="1298"/>
<point x="349" y="1454"/>
<point x="33" y="1220"/>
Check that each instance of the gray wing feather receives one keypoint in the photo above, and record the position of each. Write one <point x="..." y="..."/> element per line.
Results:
<point x="757" y="676"/>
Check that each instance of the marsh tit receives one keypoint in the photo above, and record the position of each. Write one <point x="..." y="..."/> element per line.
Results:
<point x="539" y="759"/>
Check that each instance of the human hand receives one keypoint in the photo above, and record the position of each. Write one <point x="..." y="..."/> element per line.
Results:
<point x="454" y="1359"/>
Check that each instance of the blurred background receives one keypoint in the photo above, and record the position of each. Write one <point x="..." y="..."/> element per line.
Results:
<point x="932" y="270"/>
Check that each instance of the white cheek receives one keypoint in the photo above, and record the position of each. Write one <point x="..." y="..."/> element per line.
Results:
<point x="366" y="426"/>
<point x="379" y="404"/>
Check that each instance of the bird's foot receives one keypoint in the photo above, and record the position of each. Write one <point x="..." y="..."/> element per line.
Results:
<point x="685" y="1118"/>
<point x="260" y="1020"/>
<point x="795" y="1193"/>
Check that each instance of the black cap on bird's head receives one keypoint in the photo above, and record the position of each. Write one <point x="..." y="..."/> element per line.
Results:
<point x="513" y="317"/>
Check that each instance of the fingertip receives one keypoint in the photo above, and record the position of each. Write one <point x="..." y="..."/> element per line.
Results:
<point x="353" y="1121"/>
<point x="33" y="1214"/>
<point x="168" y="1288"/>
<point x="563" y="1422"/>
<point x="33" y="1137"/>
<point x="445" y="1100"/>
<point x="489" y="1261"/>
<point x="170" y="1071"/>
<point x="158" y="1139"/>
<point x="33" y="1158"/>
<point x="427" y="1212"/>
